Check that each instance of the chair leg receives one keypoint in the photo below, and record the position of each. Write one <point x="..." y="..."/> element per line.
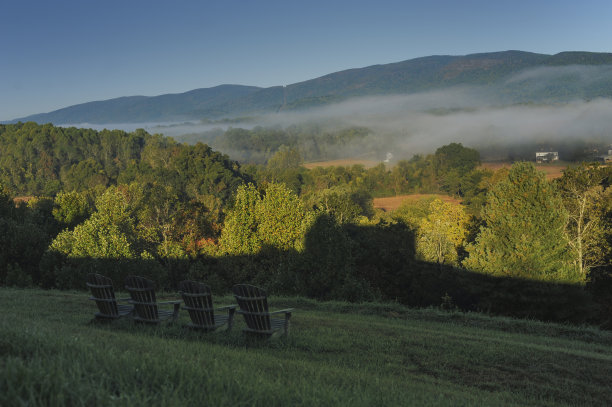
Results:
<point x="287" y="323"/>
<point x="177" y="308"/>
<point x="230" y="320"/>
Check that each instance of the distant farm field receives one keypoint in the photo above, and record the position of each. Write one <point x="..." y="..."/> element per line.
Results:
<point x="338" y="354"/>
<point x="346" y="162"/>
<point x="552" y="171"/>
<point x="393" y="202"/>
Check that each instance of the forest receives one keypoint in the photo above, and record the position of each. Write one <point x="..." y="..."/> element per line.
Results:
<point x="73" y="201"/>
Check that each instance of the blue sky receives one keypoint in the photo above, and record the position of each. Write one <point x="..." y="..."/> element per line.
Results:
<point x="58" y="53"/>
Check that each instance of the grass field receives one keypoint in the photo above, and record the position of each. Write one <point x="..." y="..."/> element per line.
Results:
<point x="51" y="354"/>
<point x="391" y="203"/>
<point x="346" y="162"/>
<point x="552" y="171"/>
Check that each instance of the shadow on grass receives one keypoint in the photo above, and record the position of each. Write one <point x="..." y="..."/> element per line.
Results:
<point x="178" y="330"/>
<point x="356" y="264"/>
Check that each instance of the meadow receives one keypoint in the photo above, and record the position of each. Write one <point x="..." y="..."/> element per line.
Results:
<point x="391" y="203"/>
<point x="53" y="354"/>
<point x="552" y="170"/>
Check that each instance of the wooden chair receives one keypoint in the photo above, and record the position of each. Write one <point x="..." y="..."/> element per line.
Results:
<point x="103" y="293"/>
<point x="146" y="307"/>
<point x="197" y="298"/>
<point x="253" y="302"/>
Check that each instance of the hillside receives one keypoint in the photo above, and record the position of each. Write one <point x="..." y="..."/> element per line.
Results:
<point x="52" y="354"/>
<point x="513" y="76"/>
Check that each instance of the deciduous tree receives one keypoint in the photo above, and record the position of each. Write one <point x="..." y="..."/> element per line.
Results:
<point x="442" y="233"/>
<point x="586" y="197"/>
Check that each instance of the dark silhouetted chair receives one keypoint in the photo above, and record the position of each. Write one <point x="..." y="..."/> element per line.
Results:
<point x="146" y="307"/>
<point x="103" y="293"/>
<point x="197" y="300"/>
<point x="253" y="303"/>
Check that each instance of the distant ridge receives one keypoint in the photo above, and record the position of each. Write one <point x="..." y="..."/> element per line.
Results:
<point x="491" y="70"/>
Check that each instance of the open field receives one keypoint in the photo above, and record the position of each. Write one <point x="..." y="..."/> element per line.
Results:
<point x="338" y="354"/>
<point x="393" y="202"/>
<point x="347" y="162"/>
<point x="552" y="171"/>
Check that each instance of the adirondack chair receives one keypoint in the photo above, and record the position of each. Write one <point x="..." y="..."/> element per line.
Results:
<point x="253" y="302"/>
<point x="197" y="298"/>
<point x="103" y="293"/>
<point x="146" y="307"/>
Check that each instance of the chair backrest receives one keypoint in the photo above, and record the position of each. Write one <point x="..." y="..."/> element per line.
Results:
<point x="103" y="294"/>
<point x="197" y="298"/>
<point x="253" y="302"/>
<point x="142" y="291"/>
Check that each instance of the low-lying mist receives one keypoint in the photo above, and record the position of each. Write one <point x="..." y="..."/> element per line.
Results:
<point x="541" y="108"/>
<point x="483" y="117"/>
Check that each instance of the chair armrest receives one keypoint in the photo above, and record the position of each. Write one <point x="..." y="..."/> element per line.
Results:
<point x="233" y="306"/>
<point x="285" y="311"/>
<point x="124" y="299"/>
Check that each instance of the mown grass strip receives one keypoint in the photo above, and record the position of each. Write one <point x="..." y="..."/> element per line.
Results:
<point x="338" y="354"/>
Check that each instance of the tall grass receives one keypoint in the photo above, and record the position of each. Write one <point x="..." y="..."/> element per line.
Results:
<point x="52" y="354"/>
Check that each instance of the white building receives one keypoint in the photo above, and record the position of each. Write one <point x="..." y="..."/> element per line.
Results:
<point x="547" y="156"/>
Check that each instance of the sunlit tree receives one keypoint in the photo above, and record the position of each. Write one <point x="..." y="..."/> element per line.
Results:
<point x="523" y="233"/>
<point x="442" y="232"/>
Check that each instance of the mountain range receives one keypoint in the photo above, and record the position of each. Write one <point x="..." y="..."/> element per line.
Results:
<point x="515" y="77"/>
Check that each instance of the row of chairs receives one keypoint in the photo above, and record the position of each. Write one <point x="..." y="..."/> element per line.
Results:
<point x="142" y="305"/>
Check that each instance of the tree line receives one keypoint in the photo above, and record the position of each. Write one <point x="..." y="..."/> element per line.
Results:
<point x="172" y="211"/>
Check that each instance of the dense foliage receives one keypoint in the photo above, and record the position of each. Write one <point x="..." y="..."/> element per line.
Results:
<point x="522" y="235"/>
<point x="312" y="141"/>
<point x="132" y="203"/>
<point x="44" y="160"/>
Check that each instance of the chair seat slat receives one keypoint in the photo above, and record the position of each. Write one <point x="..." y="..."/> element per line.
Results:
<point x="103" y="294"/>
<point x="198" y="302"/>
<point x="146" y="306"/>
<point x="253" y="302"/>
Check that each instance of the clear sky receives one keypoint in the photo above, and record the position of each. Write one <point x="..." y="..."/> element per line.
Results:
<point x="58" y="53"/>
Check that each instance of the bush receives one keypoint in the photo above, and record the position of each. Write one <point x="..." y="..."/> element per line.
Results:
<point x="16" y="277"/>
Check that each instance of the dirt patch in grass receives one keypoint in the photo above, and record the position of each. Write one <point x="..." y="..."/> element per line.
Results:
<point x="393" y="202"/>
<point x="345" y="162"/>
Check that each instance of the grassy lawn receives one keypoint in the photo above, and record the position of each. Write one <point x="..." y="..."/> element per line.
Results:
<point x="338" y="354"/>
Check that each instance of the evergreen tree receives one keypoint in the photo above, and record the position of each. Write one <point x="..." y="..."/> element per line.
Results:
<point x="523" y="232"/>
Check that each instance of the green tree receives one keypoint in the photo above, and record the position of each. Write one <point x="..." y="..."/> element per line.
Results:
<point x="586" y="197"/>
<point x="523" y="233"/>
<point x="282" y="218"/>
<point x="23" y="239"/>
<point x="108" y="233"/>
<point x="453" y="162"/>
<point x="455" y="157"/>
<point x="442" y="233"/>
<point x="343" y="204"/>
<point x="412" y="212"/>
<point x="278" y="219"/>
<point x="239" y="234"/>
<point x="71" y="208"/>
<point x="285" y="158"/>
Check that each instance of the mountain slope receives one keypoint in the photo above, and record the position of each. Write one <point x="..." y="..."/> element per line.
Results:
<point x="514" y="76"/>
<point x="132" y="109"/>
